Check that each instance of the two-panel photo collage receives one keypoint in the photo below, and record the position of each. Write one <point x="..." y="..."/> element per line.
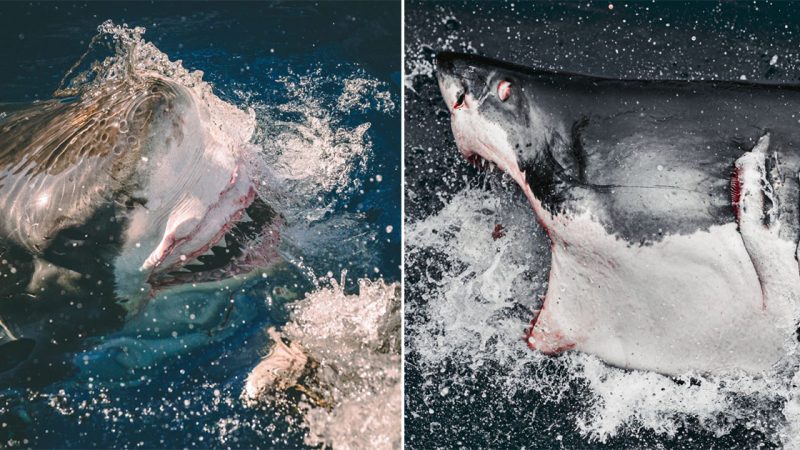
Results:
<point x="416" y="224"/>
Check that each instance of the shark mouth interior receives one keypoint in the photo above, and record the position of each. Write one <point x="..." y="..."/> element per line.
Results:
<point x="480" y="163"/>
<point x="248" y="243"/>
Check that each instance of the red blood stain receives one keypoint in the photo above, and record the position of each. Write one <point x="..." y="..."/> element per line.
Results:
<point x="498" y="232"/>
<point x="736" y="192"/>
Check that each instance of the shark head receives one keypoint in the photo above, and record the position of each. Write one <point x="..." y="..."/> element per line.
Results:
<point x="170" y="165"/>
<point x="499" y="114"/>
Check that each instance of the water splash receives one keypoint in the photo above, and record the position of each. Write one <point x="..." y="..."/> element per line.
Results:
<point x="310" y="152"/>
<point x="354" y="343"/>
<point x="316" y="141"/>
<point x="476" y="302"/>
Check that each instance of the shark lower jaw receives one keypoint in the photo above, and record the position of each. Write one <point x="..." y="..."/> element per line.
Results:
<point x="479" y="153"/>
<point x="486" y="158"/>
<point x="247" y="241"/>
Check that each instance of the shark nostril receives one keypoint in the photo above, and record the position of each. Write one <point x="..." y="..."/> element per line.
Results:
<point x="460" y="100"/>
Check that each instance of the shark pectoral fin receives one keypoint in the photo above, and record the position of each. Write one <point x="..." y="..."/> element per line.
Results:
<point x="49" y="277"/>
<point x="757" y="213"/>
<point x="753" y="194"/>
<point x="545" y="336"/>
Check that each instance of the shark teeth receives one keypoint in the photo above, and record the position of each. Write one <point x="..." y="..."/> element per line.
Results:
<point x="194" y="268"/>
<point x="176" y="273"/>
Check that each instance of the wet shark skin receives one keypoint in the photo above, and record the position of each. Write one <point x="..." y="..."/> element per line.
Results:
<point x="92" y="186"/>
<point x="653" y="266"/>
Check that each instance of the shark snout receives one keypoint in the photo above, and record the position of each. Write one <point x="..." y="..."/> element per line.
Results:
<point x="445" y="63"/>
<point x="453" y="71"/>
<point x="450" y="85"/>
<point x="462" y="78"/>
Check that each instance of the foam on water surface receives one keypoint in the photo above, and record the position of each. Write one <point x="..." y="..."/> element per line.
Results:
<point x="356" y="339"/>
<point x="479" y="299"/>
<point x="309" y="146"/>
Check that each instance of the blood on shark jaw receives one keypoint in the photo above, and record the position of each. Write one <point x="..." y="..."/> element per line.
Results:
<point x="484" y="144"/>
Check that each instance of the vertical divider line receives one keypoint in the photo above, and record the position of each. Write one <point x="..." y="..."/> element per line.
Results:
<point x="402" y="225"/>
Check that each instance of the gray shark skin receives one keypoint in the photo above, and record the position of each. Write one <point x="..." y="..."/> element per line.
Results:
<point x="108" y="198"/>
<point x="671" y="206"/>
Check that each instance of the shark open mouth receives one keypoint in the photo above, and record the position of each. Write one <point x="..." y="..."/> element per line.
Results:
<point x="246" y="242"/>
<point x="486" y="157"/>
<point x="480" y="163"/>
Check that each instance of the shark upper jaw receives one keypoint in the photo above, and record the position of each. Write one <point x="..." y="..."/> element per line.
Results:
<point x="176" y="253"/>
<point x="180" y="242"/>
<point x="483" y="143"/>
<point x="233" y="235"/>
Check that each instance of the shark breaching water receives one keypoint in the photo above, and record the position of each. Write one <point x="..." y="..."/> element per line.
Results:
<point x="133" y="181"/>
<point x="671" y="208"/>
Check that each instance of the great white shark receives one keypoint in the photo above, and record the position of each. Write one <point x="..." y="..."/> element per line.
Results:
<point x="671" y="208"/>
<point x="112" y="196"/>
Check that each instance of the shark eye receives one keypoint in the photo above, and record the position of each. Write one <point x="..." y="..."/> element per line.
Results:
<point x="460" y="100"/>
<point x="503" y="90"/>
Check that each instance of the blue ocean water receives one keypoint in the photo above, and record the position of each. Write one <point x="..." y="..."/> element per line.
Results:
<point x="287" y="62"/>
<point x="472" y="382"/>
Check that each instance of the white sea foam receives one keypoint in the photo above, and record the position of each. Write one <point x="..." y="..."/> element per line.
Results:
<point x="316" y="148"/>
<point x="365" y="94"/>
<point x="356" y="339"/>
<point x="309" y="143"/>
<point x="354" y="343"/>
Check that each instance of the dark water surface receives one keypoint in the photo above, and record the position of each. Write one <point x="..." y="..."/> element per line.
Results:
<point x="250" y="52"/>
<point x="471" y="398"/>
